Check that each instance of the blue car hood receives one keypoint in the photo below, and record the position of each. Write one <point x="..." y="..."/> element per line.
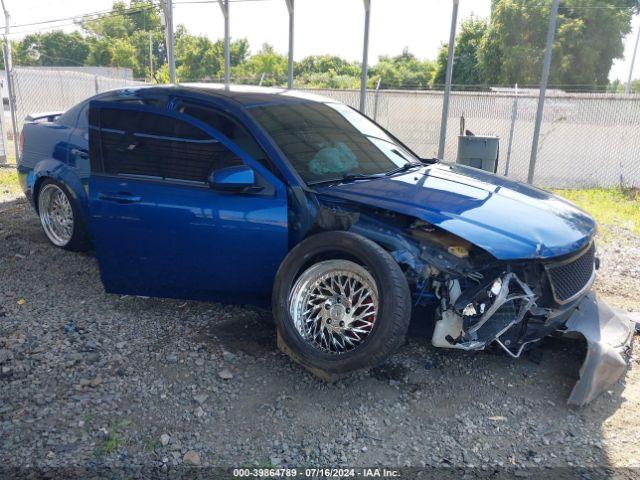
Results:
<point x="508" y="219"/>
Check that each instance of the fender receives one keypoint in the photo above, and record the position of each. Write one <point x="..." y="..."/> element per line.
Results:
<point x="63" y="173"/>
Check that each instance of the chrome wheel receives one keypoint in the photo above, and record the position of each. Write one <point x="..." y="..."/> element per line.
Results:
<point x="334" y="305"/>
<point x="56" y="214"/>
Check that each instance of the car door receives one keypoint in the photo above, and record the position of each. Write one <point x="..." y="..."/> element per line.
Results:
<point x="157" y="226"/>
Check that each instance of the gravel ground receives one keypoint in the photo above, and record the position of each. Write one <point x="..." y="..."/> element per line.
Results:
<point x="90" y="379"/>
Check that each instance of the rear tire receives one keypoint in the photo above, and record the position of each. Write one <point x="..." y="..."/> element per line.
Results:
<point x="60" y="217"/>
<point x="325" y="292"/>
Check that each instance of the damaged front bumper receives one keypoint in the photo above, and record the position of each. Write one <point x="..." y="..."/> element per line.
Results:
<point x="609" y="336"/>
<point x="513" y="309"/>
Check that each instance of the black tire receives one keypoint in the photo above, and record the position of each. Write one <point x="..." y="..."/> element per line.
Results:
<point x="394" y="311"/>
<point x="79" y="241"/>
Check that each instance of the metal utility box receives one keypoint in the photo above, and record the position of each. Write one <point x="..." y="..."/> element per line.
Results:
<point x="478" y="151"/>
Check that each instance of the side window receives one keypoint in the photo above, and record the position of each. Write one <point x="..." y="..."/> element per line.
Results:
<point x="152" y="145"/>
<point x="229" y="127"/>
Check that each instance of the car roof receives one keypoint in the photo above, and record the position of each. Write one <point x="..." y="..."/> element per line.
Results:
<point x="245" y="95"/>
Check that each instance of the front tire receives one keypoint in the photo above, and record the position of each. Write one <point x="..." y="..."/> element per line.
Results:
<point x="60" y="217"/>
<point x="340" y="303"/>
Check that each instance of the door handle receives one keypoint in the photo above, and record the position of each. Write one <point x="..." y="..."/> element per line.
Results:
<point x="80" y="153"/>
<point x="120" y="197"/>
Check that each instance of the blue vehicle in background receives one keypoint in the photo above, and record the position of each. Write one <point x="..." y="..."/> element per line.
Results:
<point x="274" y="197"/>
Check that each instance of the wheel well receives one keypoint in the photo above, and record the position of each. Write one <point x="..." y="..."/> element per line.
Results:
<point x="328" y="255"/>
<point x="36" y="191"/>
<point x="331" y="254"/>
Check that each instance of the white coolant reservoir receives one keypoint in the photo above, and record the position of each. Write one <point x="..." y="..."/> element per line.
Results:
<point x="449" y="325"/>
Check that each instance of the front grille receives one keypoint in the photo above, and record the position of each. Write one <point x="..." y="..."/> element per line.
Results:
<point x="569" y="278"/>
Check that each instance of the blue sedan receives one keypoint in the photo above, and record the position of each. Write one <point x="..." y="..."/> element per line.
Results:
<point x="278" y="198"/>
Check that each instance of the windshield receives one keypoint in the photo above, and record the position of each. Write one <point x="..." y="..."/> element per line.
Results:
<point x="330" y="141"/>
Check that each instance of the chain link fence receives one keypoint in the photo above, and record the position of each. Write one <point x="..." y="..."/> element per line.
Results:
<point x="5" y="151"/>
<point x="586" y="139"/>
<point x="45" y="90"/>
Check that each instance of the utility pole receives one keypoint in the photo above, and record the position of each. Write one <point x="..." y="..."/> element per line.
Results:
<point x="290" y="9"/>
<point x="150" y="57"/>
<point x="224" y="6"/>
<point x="449" y="74"/>
<point x="633" y="61"/>
<point x="365" y="54"/>
<point x="8" y="66"/>
<point x="551" y="33"/>
<point x="167" y="6"/>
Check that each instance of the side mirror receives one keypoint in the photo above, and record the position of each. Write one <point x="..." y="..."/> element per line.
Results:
<point x="238" y="178"/>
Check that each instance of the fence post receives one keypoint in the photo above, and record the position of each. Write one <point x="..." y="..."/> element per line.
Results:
<point x="290" y="6"/>
<point x="375" y="101"/>
<point x="365" y="54"/>
<point x="449" y="74"/>
<point x="551" y="33"/>
<point x="633" y="61"/>
<point x="224" y="6"/>
<point x="8" y="66"/>
<point x="3" y="158"/>
<point x="167" y="7"/>
<point x="514" y="115"/>
<point x="150" y="57"/>
<point x="95" y="83"/>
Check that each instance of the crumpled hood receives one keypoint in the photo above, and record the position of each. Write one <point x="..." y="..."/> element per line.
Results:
<point x="508" y="219"/>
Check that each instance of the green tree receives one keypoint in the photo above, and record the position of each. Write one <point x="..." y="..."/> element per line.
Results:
<point x="121" y="37"/>
<point x="465" y="65"/>
<point x="326" y="71"/>
<point x="267" y="61"/>
<point x="618" y="86"/>
<point x="401" y="71"/>
<point x="330" y="64"/>
<point x="113" y="52"/>
<point x="198" y="58"/>
<point x="51" y="48"/>
<point x="124" y="20"/>
<point x="195" y="56"/>
<point x="140" y="41"/>
<point x="123" y="54"/>
<point x="588" y="38"/>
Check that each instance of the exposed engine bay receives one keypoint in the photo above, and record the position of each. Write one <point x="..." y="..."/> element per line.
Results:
<point x="481" y="301"/>
<point x="478" y="301"/>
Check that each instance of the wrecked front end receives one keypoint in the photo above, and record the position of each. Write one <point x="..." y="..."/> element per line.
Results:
<point x="478" y="301"/>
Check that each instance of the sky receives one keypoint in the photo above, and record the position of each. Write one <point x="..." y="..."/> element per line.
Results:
<point x="322" y="26"/>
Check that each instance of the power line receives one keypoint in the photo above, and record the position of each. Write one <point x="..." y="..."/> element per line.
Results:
<point x="105" y="13"/>
<point x="89" y="16"/>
